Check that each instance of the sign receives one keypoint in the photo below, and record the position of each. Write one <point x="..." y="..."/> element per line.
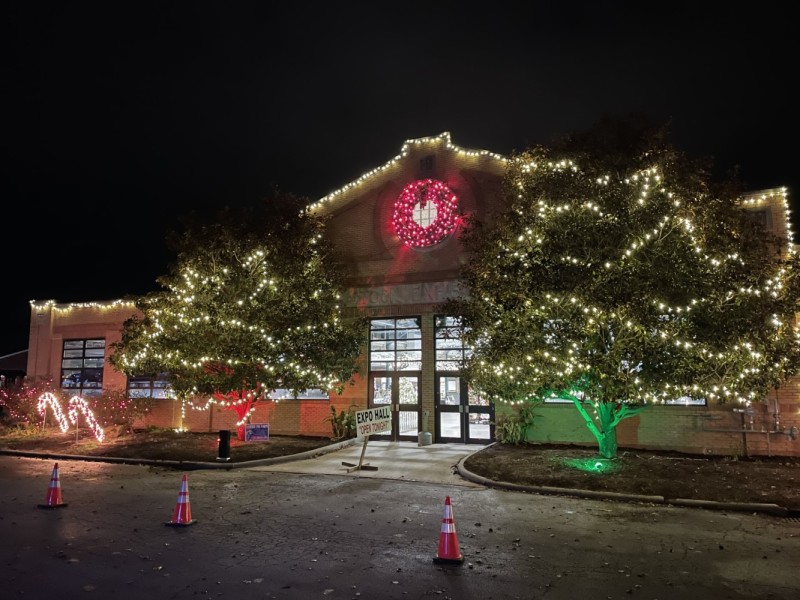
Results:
<point x="256" y="432"/>
<point x="373" y="420"/>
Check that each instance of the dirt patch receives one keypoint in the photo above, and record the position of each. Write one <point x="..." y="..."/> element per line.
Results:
<point x="773" y="480"/>
<point x="164" y="445"/>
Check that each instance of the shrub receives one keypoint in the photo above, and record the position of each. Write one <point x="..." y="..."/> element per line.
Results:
<point x="115" y="408"/>
<point x="343" y="424"/>
<point x="513" y="428"/>
<point x="19" y="403"/>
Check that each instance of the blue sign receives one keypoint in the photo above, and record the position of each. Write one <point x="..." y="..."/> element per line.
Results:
<point x="256" y="432"/>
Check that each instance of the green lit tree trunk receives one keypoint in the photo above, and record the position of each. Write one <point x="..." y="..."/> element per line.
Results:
<point x="603" y="424"/>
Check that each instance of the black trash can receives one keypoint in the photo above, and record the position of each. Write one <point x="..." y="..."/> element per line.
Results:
<point x="224" y="452"/>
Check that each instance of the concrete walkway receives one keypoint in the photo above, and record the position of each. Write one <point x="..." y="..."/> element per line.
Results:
<point x="407" y="461"/>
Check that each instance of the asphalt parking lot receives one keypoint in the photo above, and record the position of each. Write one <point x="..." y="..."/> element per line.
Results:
<point x="272" y="534"/>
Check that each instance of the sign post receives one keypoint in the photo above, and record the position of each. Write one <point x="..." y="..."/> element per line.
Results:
<point x="372" y="420"/>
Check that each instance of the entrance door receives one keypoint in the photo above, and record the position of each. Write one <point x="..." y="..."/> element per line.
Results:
<point x="462" y="416"/>
<point x="401" y="392"/>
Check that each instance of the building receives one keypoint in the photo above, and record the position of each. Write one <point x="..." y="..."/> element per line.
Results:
<point x="12" y="368"/>
<point x="403" y="260"/>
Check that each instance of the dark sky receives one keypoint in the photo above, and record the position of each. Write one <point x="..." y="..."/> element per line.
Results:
<point x="126" y="115"/>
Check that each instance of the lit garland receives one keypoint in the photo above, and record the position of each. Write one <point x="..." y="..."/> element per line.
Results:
<point x="442" y="139"/>
<point x="67" y="307"/>
<point x="76" y="404"/>
<point x="442" y="207"/>
<point x="227" y="405"/>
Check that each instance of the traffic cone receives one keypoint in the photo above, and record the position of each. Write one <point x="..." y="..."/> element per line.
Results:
<point x="182" y="515"/>
<point x="53" y="499"/>
<point x="448" y="553"/>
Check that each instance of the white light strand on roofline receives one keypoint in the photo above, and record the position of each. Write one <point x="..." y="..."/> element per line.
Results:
<point x="443" y="138"/>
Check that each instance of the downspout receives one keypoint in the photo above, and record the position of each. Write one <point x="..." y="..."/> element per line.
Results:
<point x="776" y="416"/>
<point x="744" y="436"/>
<point x="776" y="421"/>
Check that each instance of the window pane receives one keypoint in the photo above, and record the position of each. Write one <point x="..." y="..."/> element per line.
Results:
<point x="686" y="401"/>
<point x="409" y="344"/>
<point x="450" y="350"/>
<point x="386" y="354"/>
<point x="382" y="335"/>
<point x="409" y="334"/>
<point x="409" y="355"/>
<point x="408" y="323"/>
<point x="382" y="390"/>
<point x="70" y="378"/>
<point x="382" y="346"/>
<point x="381" y="356"/>
<point x="82" y="366"/>
<point x="448" y="343"/>
<point x="410" y="366"/>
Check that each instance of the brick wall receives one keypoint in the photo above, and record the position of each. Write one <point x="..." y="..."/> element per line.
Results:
<point x="716" y="430"/>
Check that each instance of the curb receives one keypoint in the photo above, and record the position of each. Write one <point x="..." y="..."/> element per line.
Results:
<point x="751" y="507"/>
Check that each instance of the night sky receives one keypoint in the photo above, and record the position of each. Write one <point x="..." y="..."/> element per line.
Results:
<point x="126" y="115"/>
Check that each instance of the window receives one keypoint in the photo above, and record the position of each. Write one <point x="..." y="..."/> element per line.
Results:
<point x="424" y="215"/>
<point x="395" y="344"/>
<point x="82" y="367"/>
<point x="761" y="216"/>
<point x="686" y="401"/>
<point x="149" y="387"/>
<point x="426" y="164"/>
<point x="308" y="394"/>
<point x="450" y="350"/>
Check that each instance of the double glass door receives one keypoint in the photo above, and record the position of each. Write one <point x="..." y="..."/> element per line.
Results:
<point x="400" y="391"/>
<point x="462" y="415"/>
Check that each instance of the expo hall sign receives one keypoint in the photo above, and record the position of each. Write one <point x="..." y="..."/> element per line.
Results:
<point x="373" y="420"/>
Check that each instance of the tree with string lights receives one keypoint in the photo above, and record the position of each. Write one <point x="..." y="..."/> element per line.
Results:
<point x="251" y="304"/>
<point x="619" y="275"/>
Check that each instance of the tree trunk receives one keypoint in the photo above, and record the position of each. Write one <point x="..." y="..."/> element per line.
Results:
<point x="242" y="411"/>
<point x="607" y="442"/>
<point x="604" y="428"/>
<point x="607" y="432"/>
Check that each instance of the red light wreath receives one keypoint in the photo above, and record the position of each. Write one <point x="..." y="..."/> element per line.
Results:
<point x="425" y="213"/>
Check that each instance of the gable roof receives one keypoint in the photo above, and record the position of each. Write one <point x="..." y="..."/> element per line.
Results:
<point x="440" y="142"/>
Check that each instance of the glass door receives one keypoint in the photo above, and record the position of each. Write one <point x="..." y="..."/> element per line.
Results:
<point x="400" y="391"/>
<point x="449" y="423"/>
<point x="462" y="416"/>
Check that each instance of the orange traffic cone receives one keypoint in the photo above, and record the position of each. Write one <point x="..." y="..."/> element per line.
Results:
<point x="448" y="541"/>
<point x="53" y="499"/>
<point x="182" y="515"/>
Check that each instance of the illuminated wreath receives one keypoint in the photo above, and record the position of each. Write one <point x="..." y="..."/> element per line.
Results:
<point x="416" y="196"/>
